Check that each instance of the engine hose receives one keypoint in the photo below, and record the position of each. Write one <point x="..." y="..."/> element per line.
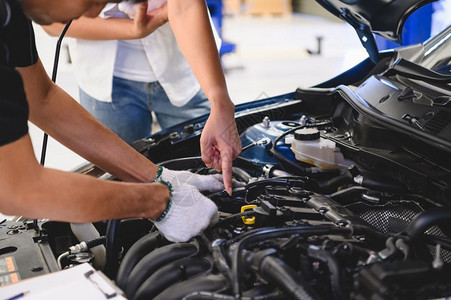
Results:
<point x="137" y="251"/>
<point x="262" y="292"/>
<point x="273" y="171"/>
<point x="216" y="296"/>
<point x="211" y="284"/>
<point x="382" y="185"/>
<point x="332" y="185"/>
<point x="87" y="232"/>
<point x="264" y="234"/>
<point x="170" y="274"/>
<point x="288" y="181"/>
<point x="112" y="248"/>
<point x="241" y="174"/>
<point x="351" y="189"/>
<point x="279" y="273"/>
<point x="85" y="246"/>
<point x="426" y="219"/>
<point x="219" y="258"/>
<point x="334" y="269"/>
<point x="155" y="260"/>
<point x="96" y="242"/>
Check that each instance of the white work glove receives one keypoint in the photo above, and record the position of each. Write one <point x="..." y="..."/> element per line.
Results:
<point x="211" y="183"/>
<point x="188" y="213"/>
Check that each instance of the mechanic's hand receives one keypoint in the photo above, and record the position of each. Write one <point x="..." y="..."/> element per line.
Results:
<point x="144" y="22"/>
<point x="220" y="143"/>
<point x="211" y="183"/>
<point x="188" y="213"/>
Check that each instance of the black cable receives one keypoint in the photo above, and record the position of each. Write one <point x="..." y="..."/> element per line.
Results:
<point x="54" y="73"/>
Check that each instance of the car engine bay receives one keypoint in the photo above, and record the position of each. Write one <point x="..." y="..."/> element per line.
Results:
<point x="346" y="195"/>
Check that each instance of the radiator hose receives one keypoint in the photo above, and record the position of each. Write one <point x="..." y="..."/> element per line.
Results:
<point x="276" y="271"/>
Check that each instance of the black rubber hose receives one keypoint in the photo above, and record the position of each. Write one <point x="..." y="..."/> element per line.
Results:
<point x="279" y="273"/>
<point x="334" y="269"/>
<point x="426" y="219"/>
<point x="189" y="289"/>
<point x="137" y="251"/>
<point x="274" y="233"/>
<point x="96" y="242"/>
<point x="170" y="274"/>
<point x="112" y="248"/>
<point x="332" y="185"/>
<point x="207" y="296"/>
<point x="216" y="296"/>
<point x="155" y="260"/>
<point x="288" y="181"/>
<point x="382" y="185"/>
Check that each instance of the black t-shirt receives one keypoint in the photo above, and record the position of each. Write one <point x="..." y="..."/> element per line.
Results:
<point x="17" y="49"/>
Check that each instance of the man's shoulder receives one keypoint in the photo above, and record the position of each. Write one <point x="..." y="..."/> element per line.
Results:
<point x="16" y="38"/>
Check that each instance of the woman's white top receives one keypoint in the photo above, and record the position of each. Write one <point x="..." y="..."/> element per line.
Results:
<point x="95" y="61"/>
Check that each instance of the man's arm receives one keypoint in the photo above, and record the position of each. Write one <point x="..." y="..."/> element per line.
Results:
<point x="58" y="114"/>
<point x="220" y="143"/>
<point x="98" y="28"/>
<point x="30" y="190"/>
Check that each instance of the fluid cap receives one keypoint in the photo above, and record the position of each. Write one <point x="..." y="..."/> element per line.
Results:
<point x="307" y="134"/>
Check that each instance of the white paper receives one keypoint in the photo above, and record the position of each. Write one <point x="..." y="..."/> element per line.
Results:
<point x="67" y="284"/>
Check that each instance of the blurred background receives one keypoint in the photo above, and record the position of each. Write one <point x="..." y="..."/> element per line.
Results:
<point x="270" y="47"/>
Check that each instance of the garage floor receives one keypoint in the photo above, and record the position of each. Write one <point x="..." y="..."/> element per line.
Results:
<point x="271" y="58"/>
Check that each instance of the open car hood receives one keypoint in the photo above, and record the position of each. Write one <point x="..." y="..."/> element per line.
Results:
<point x="383" y="17"/>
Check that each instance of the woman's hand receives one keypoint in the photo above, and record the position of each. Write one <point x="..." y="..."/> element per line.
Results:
<point x="220" y="143"/>
<point x="145" y="23"/>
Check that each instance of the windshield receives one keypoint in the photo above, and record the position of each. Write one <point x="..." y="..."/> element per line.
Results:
<point x="437" y="54"/>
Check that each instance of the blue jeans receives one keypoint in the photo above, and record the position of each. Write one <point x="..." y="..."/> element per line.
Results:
<point x="129" y="114"/>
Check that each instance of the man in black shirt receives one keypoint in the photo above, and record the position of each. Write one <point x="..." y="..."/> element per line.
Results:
<point x="17" y="48"/>
<point x="28" y="189"/>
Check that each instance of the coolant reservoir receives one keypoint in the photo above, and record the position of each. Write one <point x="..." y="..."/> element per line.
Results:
<point x="309" y="147"/>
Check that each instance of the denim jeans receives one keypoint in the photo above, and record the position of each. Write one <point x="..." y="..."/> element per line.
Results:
<point x="129" y="114"/>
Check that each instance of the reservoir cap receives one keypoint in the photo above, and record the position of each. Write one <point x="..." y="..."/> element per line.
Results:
<point x="307" y="134"/>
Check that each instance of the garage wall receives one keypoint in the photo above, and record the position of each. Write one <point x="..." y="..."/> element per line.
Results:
<point x="310" y="7"/>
